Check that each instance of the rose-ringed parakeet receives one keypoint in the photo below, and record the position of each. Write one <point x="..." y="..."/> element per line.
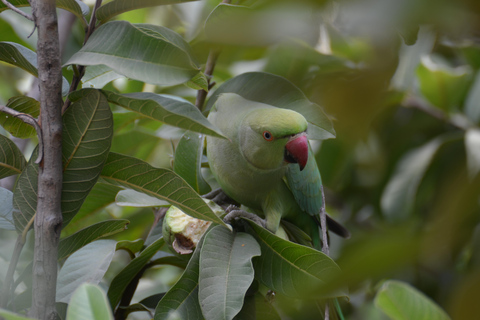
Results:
<point x="266" y="163"/>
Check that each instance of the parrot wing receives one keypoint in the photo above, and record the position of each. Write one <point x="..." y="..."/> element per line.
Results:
<point x="307" y="189"/>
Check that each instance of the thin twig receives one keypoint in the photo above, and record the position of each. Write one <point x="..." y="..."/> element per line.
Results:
<point x="323" y="226"/>
<point x="28" y="119"/>
<point x="15" y="9"/>
<point x="81" y="69"/>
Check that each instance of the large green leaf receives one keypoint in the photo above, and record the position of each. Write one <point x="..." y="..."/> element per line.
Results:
<point x="12" y="160"/>
<point x="76" y="7"/>
<point x="117" y="7"/>
<point x="124" y="277"/>
<point x="15" y="126"/>
<point x="444" y="87"/>
<point x="399" y="194"/>
<point x="87" y="264"/>
<point x="132" y="198"/>
<point x="181" y="301"/>
<point x="8" y="315"/>
<point x="144" y="52"/>
<point x="171" y="110"/>
<point x="226" y="272"/>
<point x="400" y="301"/>
<point x="22" y="57"/>
<point x="291" y="269"/>
<point x="72" y="243"/>
<point x="257" y="307"/>
<point x="472" y="103"/>
<point x="89" y="303"/>
<point x="98" y="76"/>
<point x="188" y="161"/>
<point x="87" y="135"/>
<point x="279" y="92"/>
<point x="6" y="209"/>
<point x="161" y="183"/>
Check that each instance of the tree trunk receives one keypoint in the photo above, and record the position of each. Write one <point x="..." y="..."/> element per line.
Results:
<point x="48" y="220"/>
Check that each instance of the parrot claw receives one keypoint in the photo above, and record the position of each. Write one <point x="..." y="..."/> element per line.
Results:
<point x="220" y="198"/>
<point x="234" y="213"/>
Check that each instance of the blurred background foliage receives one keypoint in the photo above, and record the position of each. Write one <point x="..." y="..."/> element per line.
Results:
<point x="400" y="81"/>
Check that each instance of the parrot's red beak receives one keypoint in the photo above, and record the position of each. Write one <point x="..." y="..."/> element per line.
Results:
<point x="296" y="150"/>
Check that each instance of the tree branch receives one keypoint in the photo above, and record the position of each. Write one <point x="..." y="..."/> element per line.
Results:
<point x="28" y="119"/>
<point x="15" y="9"/>
<point x="48" y="220"/>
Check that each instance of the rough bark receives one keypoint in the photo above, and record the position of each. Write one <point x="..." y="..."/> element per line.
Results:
<point x="48" y="220"/>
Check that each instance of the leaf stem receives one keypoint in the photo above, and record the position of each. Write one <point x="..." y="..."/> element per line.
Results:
<point x="15" y="9"/>
<point x="80" y="70"/>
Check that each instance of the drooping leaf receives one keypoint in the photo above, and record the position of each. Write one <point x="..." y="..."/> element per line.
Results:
<point x="171" y="110"/>
<point x="132" y="198"/>
<point x="163" y="184"/>
<point x="226" y="272"/>
<point x="279" y="92"/>
<point x="181" y="301"/>
<point x="12" y="160"/>
<point x="72" y="243"/>
<point x="89" y="303"/>
<point x="117" y="7"/>
<point x="98" y="76"/>
<point x="257" y="307"/>
<point x="24" y="58"/>
<point x="122" y="279"/>
<point x="400" y="301"/>
<point x="291" y="269"/>
<point x="6" y="210"/>
<point x="87" y="135"/>
<point x="444" y="87"/>
<point x="144" y="52"/>
<point x="87" y="264"/>
<point x="188" y="161"/>
<point x="15" y="126"/>
<point x="399" y="194"/>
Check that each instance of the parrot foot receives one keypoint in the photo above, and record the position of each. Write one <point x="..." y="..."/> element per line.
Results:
<point x="220" y="198"/>
<point x="233" y="213"/>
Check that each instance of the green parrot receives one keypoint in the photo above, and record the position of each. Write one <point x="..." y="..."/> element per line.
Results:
<point x="266" y="164"/>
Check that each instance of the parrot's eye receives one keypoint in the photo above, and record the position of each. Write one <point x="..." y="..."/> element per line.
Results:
<point x="267" y="135"/>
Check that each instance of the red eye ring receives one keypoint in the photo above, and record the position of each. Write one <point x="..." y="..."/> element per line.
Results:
<point x="267" y="135"/>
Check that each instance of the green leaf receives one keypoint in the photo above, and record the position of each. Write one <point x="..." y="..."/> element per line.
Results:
<point x="12" y="160"/>
<point x="15" y="126"/>
<point x="257" y="307"/>
<point x="169" y="109"/>
<point x="8" y="315"/>
<point x="87" y="264"/>
<point x="117" y="7"/>
<point x="132" y="198"/>
<point x="148" y="53"/>
<point x="198" y="82"/>
<point x="399" y="194"/>
<point x="87" y="135"/>
<point x="131" y="246"/>
<point x="181" y="301"/>
<point x="226" y="272"/>
<point x="6" y="210"/>
<point x="400" y="301"/>
<point x="70" y="244"/>
<point x="444" y="87"/>
<point x="472" y="103"/>
<point x="89" y="303"/>
<point x="24" y="58"/>
<point x="98" y="76"/>
<point x="472" y="146"/>
<point x="163" y="184"/>
<point x="279" y="92"/>
<point x="188" y="161"/>
<point x="292" y="269"/>
<point x="124" y="277"/>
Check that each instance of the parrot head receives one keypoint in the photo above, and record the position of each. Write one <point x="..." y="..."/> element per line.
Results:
<point x="272" y="137"/>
